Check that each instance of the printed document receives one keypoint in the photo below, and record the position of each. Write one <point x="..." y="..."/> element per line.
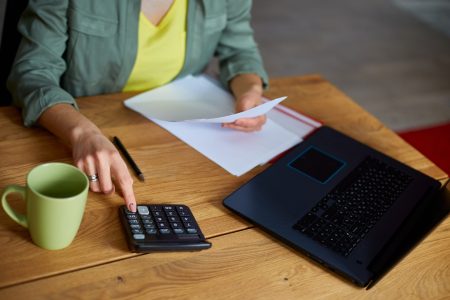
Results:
<point x="193" y="108"/>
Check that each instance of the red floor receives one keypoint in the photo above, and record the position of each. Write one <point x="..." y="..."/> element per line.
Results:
<point x="433" y="142"/>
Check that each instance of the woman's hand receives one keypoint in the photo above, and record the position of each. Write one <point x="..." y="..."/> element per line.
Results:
<point x="247" y="89"/>
<point x="96" y="155"/>
<point x="92" y="152"/>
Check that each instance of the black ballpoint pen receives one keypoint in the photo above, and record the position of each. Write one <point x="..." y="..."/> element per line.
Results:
<point x="130" y="160"/>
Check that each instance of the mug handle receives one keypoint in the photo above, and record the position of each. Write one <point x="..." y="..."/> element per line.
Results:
<point x="19" y="218"/>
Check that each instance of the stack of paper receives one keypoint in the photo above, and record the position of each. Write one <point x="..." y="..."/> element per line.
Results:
<point x="193" y="109"/>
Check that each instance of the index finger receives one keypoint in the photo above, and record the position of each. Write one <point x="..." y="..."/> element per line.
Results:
<point x="123" y="180"/>
<point x="128" y="195"/>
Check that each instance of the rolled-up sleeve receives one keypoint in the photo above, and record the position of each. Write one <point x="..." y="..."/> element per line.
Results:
<point x="34" y="81"/>
<point x="237" y="50"/>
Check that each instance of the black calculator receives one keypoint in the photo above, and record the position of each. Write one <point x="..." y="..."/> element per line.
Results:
<point x="162" y="227"/>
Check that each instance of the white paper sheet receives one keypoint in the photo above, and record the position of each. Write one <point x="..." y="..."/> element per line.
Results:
<point x="199" y="99"/>
<point x="235" y="151"/>
<point x="209" y="103"/>
<point x="251" y="113"/>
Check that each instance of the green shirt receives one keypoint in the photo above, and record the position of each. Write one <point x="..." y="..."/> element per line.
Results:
<point x="74" y="48"/>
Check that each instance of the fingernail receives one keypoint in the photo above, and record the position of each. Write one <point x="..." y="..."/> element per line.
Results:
<point x="131" y="207"/>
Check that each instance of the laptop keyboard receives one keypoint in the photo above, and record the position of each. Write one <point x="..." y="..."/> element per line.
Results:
<point x="344" y="216"/>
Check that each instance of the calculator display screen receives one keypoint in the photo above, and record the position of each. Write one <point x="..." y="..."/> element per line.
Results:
<point x="317" y="164"/>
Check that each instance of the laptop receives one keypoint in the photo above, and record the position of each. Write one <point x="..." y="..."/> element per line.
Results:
<point x="347" y="206"/>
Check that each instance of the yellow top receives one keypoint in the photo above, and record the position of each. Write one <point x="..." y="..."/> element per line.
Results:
<point x="161" y="49"/>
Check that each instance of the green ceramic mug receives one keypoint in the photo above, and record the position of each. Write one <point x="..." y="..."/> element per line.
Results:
<point x="55" y="197"/>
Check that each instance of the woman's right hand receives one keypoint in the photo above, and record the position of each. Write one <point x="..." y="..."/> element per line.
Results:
<point x="96" y="155"/>
<point x="92" y="152"/>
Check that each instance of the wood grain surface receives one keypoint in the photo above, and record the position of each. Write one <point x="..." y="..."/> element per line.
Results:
<point x="243" y="262"/>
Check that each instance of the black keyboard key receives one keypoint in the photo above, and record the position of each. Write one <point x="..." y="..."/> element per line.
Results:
<point x="160" y="219"/>
<point x="171" y="213"/>
<point x="158" y="214"/>
<point x="152" y="231"/>
<point x="138" y="236"/>
<point x="344" y="216"/>
<point x="168" y="208"/>
<point x="176" y="225"/>
<point x="173" y="219"/>
<point x="306" y="221"/>
<point x="143" y="210"/>
<point x="186" y="219"/>
<point x="162" y="225"/>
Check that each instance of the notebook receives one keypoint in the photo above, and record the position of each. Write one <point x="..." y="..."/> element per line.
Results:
<point x="349" y="207"/>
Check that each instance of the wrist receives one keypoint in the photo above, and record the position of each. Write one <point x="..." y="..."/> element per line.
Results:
<point x="80" y="131"/>
<point x="246" y="85"/>
<point x="253" y="90"/>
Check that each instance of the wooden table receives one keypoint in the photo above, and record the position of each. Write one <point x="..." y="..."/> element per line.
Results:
<point x="243" y="262"/>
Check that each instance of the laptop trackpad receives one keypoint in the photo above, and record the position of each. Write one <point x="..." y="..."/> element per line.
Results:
<point x="317" y="164"/>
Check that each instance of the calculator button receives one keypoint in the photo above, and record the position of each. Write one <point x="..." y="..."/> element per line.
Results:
<point x="163" y="225"/>
<point x="137" y="231"/>
<point x="133" y="222"/>
<point x="178" y="230"/>
<point x="183" y="213"/>
<point x="176" y="225"/>
<point x="189" y="225"/>
<point x="146" y="221"/>
<point x="168" y="208"/>
<point x="148" y="217"/>
<point x="173" y="219"/>
<point x="191" y="230"/>
<point x="143" y="210"/>
<point x="157" y="214"/>
<point x="135" y="226"/>
<point x="171" y="213"/>
<point x="148" y="226"/>
<point x="160" y="219"/>
<point x="138" y="236"/>
<point x="186" y="219"/>
<point x="164" y="230"/>
<point x="130" y="217"/>
<point x="151" y="231"/>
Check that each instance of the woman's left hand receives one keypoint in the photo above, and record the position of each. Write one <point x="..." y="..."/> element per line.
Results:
<point x="247" y="124"/>
<point x="247" y="89"/>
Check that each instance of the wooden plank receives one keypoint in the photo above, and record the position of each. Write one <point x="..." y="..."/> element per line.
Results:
<point x="245" y="265"/>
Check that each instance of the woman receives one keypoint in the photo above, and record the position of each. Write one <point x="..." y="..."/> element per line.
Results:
<point x="73" y="48"/>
